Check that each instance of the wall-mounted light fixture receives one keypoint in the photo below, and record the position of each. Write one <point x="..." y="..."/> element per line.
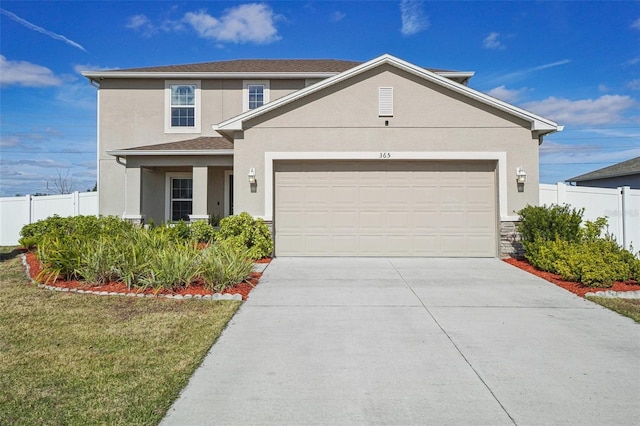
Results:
<point x="252" y="175"/>
<point x="521" y="178"/>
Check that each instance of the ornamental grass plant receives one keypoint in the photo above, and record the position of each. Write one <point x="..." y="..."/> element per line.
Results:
<point x="107" y="249"/>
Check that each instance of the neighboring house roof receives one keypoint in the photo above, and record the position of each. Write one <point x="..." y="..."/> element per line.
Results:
<point x="199" y="146"/>
<point x="625" y="168"/>
<point x="253" y="68"/>
<point x="538" y="124"/>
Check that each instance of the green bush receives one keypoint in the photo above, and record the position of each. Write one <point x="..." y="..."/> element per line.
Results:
<point x="244" y="231"/>
<point x="170" y="267"/>
<point x="550" y="223"/>
<point x="201" y="231"/>
<point x="595" y="263"/>
<point x="224" y="264"/>
<point x="555" y="242"/>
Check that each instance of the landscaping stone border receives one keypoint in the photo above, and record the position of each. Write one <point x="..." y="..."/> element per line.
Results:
<point x="215" y="296"/>
<point x="615" y="294"/>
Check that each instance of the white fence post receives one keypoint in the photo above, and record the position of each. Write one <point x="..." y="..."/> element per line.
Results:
<point x="76" y="203"/>
<point x="561" y="195"/>
<point x="28" y="209"/>
<point x="625" y="206"/>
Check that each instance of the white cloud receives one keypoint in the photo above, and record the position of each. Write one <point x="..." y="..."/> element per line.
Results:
<point x="603" y="88"/>
<point x="48" y="163"/>
<point x="634" y="84"/>
<point x="22" y="73"/>
<point x="636" y="24"/>
<point x="41" y="30"/>
<point x="137" y="22"/>
<point x="78" y="68"/>
<point x="607" y="109"/>
<point x="492" y="41"/>
<point x="413" y="18"/>
<point x="507" y="95"/>
<point x="9" y="141"/>
<point x="337" y="16"/>
<point x="247" y="23"/>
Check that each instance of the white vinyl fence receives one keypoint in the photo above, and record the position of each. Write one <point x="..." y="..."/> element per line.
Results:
<point x="15" y="212"/>
<point x="620" y="205"/>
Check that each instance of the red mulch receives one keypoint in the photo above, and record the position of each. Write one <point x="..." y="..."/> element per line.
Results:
<point x="573" y="287"/>
<point x="117" y="287"/>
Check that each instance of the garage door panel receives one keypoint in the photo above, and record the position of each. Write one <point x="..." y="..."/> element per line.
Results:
<point x="372" y="220"/>
<point x="377" y="208"/>
<point x="345" y="194"/>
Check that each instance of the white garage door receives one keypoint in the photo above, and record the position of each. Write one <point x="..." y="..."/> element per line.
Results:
<point x="385" y="208"/>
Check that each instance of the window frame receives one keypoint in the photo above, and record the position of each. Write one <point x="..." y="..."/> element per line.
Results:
<point x="168" y="128"/>
<point x="169" y="193"/>
<point x="245" y="92"/>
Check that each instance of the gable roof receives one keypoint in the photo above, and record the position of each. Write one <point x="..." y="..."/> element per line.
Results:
<point x="205" y="145"/>
<point x="257" y="65"/>
<point x="625" y="168"/>
<point x="538" y="124"/>
<point x="252" y="68"/>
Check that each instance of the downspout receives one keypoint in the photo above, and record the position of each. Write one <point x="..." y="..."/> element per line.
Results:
<point x="119" y="160"/>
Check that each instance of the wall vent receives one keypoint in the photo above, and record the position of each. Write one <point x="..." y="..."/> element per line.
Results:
<point x="385" y="101"/>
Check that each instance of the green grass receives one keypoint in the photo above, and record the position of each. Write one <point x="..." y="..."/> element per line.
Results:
<point x="81" y="359"/>
<point x="626" y="307"/>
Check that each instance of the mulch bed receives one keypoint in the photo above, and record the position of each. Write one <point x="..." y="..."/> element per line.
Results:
<point x="573" y="287"/>
<point x="196" y="288"/>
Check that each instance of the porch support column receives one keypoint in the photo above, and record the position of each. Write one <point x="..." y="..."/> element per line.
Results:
<point x="200" y="193"/>
<point x="133" y="195"/>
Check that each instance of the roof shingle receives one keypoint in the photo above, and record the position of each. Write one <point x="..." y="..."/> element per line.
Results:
<point x="257" y="66"/>
<point x="197" y="144"/>
<point x="625" y="168"/>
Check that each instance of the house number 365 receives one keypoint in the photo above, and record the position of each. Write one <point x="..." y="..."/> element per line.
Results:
<point x="385" y="155"/>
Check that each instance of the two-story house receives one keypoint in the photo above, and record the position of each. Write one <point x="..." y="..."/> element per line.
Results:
<point x="381" y="158"/>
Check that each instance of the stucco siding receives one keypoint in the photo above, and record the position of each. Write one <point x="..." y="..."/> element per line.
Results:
<point x="344" y="118"/>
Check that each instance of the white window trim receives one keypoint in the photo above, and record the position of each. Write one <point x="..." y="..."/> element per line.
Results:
<point x="499" y="156"/>
<point x="167" y="107"/>
<point x="245" y="92"/>
<point x="167" y="187"/>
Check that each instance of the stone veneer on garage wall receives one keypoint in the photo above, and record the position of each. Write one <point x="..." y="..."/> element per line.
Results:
<point x="510" y="245"/>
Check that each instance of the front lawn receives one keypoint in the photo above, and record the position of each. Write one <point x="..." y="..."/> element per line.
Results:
<point x="626" y="307"/>
<point x="81" y="359"/>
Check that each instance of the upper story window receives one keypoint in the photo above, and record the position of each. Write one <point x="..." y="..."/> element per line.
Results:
<point x="255" y="94"/>
<point x="182" y="106"/>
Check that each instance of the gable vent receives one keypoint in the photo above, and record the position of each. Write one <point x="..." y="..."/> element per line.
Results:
<point x="385" y="101"/>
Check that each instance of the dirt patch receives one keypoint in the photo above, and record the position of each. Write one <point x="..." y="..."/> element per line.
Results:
<point x="196" y="288"/>
<point x="573" y="287"/>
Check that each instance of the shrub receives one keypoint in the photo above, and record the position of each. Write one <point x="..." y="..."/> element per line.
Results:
<point x="554" y="242"/>
<point x="170" y="267"/>
<point x="244" y="231"/>
<point x="595" y="263"/>
<point x="201" y="231"/>
<point x="224" y="264"/>
<point x="550" y="223"/>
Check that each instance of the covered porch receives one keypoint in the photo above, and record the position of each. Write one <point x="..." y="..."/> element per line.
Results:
<point x="188" y="180"/>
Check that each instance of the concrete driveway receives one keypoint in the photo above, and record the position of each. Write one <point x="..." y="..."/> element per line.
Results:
<point x="364" y="341"/>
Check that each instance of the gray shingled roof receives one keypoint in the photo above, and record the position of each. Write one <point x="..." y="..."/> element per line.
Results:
<point x="256" y="65"/>
<point x="201" y="143"/>
<point x="626" y="168"/>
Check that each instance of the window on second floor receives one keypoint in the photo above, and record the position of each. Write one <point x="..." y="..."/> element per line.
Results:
<point x="255" y="94"/>
<point x="182" y="107"/>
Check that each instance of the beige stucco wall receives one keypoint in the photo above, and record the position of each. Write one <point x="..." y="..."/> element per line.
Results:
<point x="427" y="118"/>
<point x="132" y="114"/>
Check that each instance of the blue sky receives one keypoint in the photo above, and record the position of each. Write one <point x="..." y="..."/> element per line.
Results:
<point x="575" y="62"/>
